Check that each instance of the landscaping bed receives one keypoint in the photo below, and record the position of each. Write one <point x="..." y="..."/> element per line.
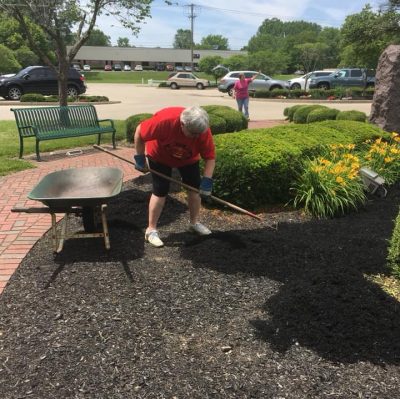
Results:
<point x="280" y="309"/>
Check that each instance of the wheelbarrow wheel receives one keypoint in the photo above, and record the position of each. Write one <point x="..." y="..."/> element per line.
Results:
<point x="90" y="219"/>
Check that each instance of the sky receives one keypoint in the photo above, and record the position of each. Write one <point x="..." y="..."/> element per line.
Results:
<point x="235" y="20"/>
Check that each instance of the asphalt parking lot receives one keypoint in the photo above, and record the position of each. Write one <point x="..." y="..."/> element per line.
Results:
<point x="134" y="99"/>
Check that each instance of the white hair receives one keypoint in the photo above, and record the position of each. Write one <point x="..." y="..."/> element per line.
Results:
<point x="195" y="120"/>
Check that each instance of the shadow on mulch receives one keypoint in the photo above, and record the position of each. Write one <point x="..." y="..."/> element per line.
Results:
<point x="247" y="312"/>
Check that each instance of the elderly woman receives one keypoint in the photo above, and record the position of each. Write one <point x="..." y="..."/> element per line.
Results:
<point x="241" y="93"/>
<point x="176" y="137"/>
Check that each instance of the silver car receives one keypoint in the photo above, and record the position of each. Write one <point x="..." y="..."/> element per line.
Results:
<point x="262" y="82"/>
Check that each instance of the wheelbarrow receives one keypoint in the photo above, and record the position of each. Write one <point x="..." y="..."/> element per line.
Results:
<point x="81" y="191"/>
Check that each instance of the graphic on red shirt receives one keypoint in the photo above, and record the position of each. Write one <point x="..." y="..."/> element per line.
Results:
<point x="179" y="151"/>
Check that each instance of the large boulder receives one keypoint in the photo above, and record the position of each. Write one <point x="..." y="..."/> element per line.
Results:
<point x="385" y="111"/>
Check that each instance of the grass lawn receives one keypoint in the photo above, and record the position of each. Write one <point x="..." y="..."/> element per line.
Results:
<point x="9" y="145"/>
<point x="142" y="77"/>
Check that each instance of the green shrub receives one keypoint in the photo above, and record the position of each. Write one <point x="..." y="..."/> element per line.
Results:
<point x="217" y="124"/>
<point x="93" y="99"/>
<point x="235" y="120"/>
<point x="132" y="123"/>
<point x="322" y="114"/>
<point x="321" y="94"/>
<point x="286" y="111"/>
<point x="258" y="167"/>
<point x="32" y="98"/>
<point x="301" y="114"/>
<point x="277" y="93"/>
<point x="351" y="116"/>
<point x="292" y="110"/>
<point x="394" y="249"/>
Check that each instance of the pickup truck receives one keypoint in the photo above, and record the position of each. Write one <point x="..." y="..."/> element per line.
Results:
<point x="345" y="77"/>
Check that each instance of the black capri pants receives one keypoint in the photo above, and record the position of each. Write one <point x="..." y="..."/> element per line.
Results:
<point x="190" y="175"/>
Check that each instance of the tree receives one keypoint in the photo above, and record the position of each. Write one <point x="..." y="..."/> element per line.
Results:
<point x="311" y="55"/>
<point x="366" y="34"/>
<point x="207" y="65"/>
<point x="98" y="38"/>
<point x="269" y="62"/>
<point x="8" y="62"/>
<point x="57" y="17"/>
<point x="26" y="57"/>
<point x="183" y="39"/>
<point x="123" y="42"/>
<point x="213" y="42"/>
<point x="237" y="62"/>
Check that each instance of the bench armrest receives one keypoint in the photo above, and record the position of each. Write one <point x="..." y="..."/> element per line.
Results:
<point x="107" y="120"/>
<point x="20" y="128"/>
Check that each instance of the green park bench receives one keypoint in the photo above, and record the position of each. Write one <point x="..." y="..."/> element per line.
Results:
<point x="58" y="122"/>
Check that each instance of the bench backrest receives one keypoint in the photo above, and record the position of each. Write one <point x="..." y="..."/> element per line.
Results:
<point x="47" y="119"/>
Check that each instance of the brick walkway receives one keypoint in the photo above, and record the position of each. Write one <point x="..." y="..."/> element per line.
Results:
<point x="20" y="231"/>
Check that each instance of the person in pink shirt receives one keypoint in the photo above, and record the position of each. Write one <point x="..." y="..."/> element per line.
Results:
<point x="241" y="93"/>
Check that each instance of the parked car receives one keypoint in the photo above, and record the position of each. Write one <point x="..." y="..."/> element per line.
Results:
<point x="138" y="67"/>
<point x="345" y="77"/>
<point x="107" y="67"/>
<point x="117" y="67"/>
<point x="41" y="80"/>
<point x="188" y="68"/>
<point x="160" y="67"/>
<point x="77" y="67"/>
<point x="169" y="67"/>
<point x="127" y="67"/>
<point x="300" y="83"/>
<point x="262" y="82"/>
<point x="86" y="67"/>
<point x="186" y="79"/>
<point x="179" y="68"/>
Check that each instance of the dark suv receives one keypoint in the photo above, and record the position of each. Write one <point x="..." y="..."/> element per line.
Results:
<point x="345" y="77"/>
<point x="41" y="80"/>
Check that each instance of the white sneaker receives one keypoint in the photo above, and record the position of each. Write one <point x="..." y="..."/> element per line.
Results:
<point x="200" y="229"/>
<point x="153" y="238"/>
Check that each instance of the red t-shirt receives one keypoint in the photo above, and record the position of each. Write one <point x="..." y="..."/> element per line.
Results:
<point x="167" y="144"/>
<point x="241" y="88"/>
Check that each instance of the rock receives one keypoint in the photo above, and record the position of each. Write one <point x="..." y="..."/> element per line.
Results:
<point x="386" y="101"/>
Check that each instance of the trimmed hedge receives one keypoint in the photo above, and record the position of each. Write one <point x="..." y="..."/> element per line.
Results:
<point x="258" y="167"/>
<point x="322" y="114"/>
<point x="351" y="116"/>
<point x="217" y="124"/>
<point x="301" y="113"/>
<point x="131" y="124"/>
<point x="40" y="98"/>
<point x="291" y="111"/>
<point x="235" y="120"/>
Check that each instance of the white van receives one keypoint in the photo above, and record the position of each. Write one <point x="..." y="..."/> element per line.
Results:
<point x="300" y="83"/>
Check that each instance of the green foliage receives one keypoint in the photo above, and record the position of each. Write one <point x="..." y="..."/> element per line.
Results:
<point x="26" y="57"/>
<point x="235" y="120"/>
<point x="258" y="167"/>
<point x="98" y="38"/>
<point x="301" y="113"/>
<point x="132" y="123"/>
<point x="394" y="249"/>
<point x="8" y="62"/>
<point x="292" y="110"/>
<point x="383" y="157"/>
<point x="33" y="97"/>
<point x="183" y="39"/>
<point x="330" y="185"/>
<point x="322" y="114"/>
<point x="213" y="42"/>
<point x="217" y="124"/>
<point x="351" y="116"/>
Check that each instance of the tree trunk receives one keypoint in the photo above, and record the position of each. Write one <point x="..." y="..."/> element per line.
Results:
<point x="63" y="81"/>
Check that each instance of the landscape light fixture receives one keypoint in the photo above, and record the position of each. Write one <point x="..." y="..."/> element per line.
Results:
<point x="373" y="182"/>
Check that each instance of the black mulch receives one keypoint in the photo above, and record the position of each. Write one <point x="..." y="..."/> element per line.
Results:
<point x="276" y="310"/>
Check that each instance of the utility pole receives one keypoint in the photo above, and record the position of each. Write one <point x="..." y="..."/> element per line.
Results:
<point x="191" y="16"/>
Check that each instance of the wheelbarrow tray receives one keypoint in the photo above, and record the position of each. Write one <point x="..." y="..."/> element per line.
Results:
<point x="81" y="187"/>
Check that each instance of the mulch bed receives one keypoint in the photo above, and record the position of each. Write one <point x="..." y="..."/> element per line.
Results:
<point x="280" y="309"/>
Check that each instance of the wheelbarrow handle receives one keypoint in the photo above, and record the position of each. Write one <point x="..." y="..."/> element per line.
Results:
<point x="216" y="199"/>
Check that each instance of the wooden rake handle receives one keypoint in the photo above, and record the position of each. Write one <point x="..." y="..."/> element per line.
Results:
<point x="216" y="199"/>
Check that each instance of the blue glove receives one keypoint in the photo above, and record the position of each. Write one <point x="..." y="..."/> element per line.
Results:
<point x="140" y="163"/>
<point x="206" y="187"/>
